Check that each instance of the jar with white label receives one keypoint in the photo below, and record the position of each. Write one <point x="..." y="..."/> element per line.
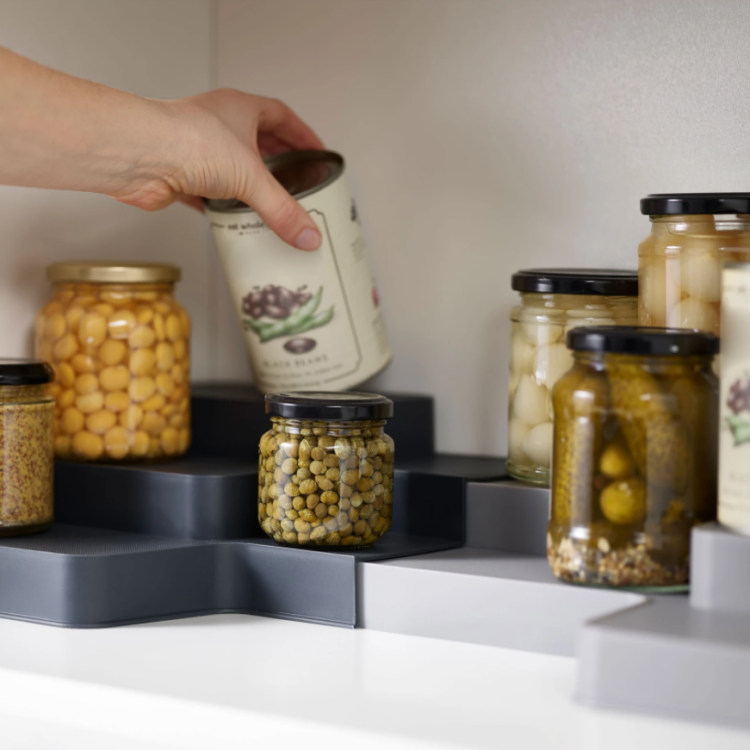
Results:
<point x="553" y="301"/>
<point x="734" y="435"/>
<point x="680" y="262"/>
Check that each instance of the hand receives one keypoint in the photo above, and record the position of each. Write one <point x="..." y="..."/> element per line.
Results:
<point x="222" y="137"/>
<point x="62" y="132"/>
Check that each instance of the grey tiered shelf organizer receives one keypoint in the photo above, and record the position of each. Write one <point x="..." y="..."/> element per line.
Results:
<point x="140" y="543"/>
<point x="465" y="560"/>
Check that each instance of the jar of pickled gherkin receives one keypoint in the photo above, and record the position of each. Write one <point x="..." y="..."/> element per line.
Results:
<point x="119" y="343"/>
<point x="635" y="456"/>
<point x="326" y="470"/>
<point x="680" y="262"/>
<point x="553" y="301"/>
<point x="26" y="447"/>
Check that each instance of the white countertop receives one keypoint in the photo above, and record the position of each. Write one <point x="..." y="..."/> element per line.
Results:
<point x="226" y="681"/>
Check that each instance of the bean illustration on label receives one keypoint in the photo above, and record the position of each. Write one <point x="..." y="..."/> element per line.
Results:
<point x="291" y="313"/>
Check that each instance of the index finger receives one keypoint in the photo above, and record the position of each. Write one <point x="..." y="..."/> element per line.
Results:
<point x="279" y="120"/>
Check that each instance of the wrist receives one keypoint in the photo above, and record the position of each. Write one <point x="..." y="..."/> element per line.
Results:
<point x="151" y="151"/>
<point x="172" y="141"/>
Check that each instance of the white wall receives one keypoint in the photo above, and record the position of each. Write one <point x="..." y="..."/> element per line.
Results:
<point x="154" y="48"/>
<point x="484" y="136"/>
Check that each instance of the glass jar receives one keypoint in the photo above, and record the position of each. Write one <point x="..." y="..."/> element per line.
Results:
<point x="326" y="470"/>
<point x="734" y="433"/>
<point x="26" y="447"/>
<point x="119" y="343"/>
<point x="680" y="262"/>
<point x="552" y="302"/>
<point x="635" y="456"/>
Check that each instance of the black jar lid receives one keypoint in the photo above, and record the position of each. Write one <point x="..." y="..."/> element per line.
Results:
<point x="25" y="372"/>
<point x="335" y="406"/>
<point x="666" y="204"/>
<point x="660" y="342"/>
<point x="605" y="282"/>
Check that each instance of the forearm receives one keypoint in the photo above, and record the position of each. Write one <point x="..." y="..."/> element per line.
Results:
<point x="58" y="131"/>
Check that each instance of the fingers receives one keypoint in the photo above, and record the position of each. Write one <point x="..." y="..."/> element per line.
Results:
<point x="280" y="121"/>
<point x="280" y="212"/>
<point x="270" y="145"/>
<point x="190" y="200"/>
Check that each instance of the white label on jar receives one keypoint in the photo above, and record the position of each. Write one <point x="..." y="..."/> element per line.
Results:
<point x="311" y="319"/>
<point x="734" y="434"/>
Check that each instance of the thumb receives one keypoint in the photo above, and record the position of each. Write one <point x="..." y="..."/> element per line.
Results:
<point x="280" y="212"/>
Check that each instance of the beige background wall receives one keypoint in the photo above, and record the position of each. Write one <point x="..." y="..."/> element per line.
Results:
<point x="482" y="136"/>
<point x="158" y="48"/>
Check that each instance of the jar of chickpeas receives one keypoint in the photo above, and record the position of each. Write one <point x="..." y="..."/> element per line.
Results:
<point x="680" y="262"/>
<point x="554" y="301"/>
<point x="326" y="470"/>
<point x="119" y="343"/>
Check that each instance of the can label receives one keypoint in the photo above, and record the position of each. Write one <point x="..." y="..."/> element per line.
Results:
<point x="734" y="440"/>
<point x="311" y="319"/>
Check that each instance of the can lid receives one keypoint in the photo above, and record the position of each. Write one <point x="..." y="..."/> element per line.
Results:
<point x="299" y="172"/>
<point x="335" y="406"/>
<point x="661" y="342"/>
<point x="113" y="272"/>
<point x="665" y="204"/>
<point x="25" y="372"/>
<point x="605" y="282"/>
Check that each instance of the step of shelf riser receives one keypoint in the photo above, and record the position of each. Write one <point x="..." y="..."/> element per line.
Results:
<point x="668" y="659"/>
<point x="507" y="515"/>
<point x="524" y="615"/>
<point x="719" y="561"/>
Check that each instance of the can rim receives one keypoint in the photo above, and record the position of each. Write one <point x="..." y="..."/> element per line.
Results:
<point x="234" y="206"/>
<point x="113" y="272"/>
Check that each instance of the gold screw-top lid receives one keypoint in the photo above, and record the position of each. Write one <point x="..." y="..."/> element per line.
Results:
<point x="110" y="272"/>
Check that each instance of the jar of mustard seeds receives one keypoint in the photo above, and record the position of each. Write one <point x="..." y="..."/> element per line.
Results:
<point x="26" y="447"/>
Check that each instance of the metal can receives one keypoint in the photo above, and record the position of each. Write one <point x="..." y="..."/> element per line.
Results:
<point x="311" y="320"/>
<point x="734" y="435"/>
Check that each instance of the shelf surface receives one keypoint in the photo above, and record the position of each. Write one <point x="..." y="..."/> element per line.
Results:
<point x="666" y="657"/>
<point x="482" y="596"/>
<point x="236" y="682"/>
